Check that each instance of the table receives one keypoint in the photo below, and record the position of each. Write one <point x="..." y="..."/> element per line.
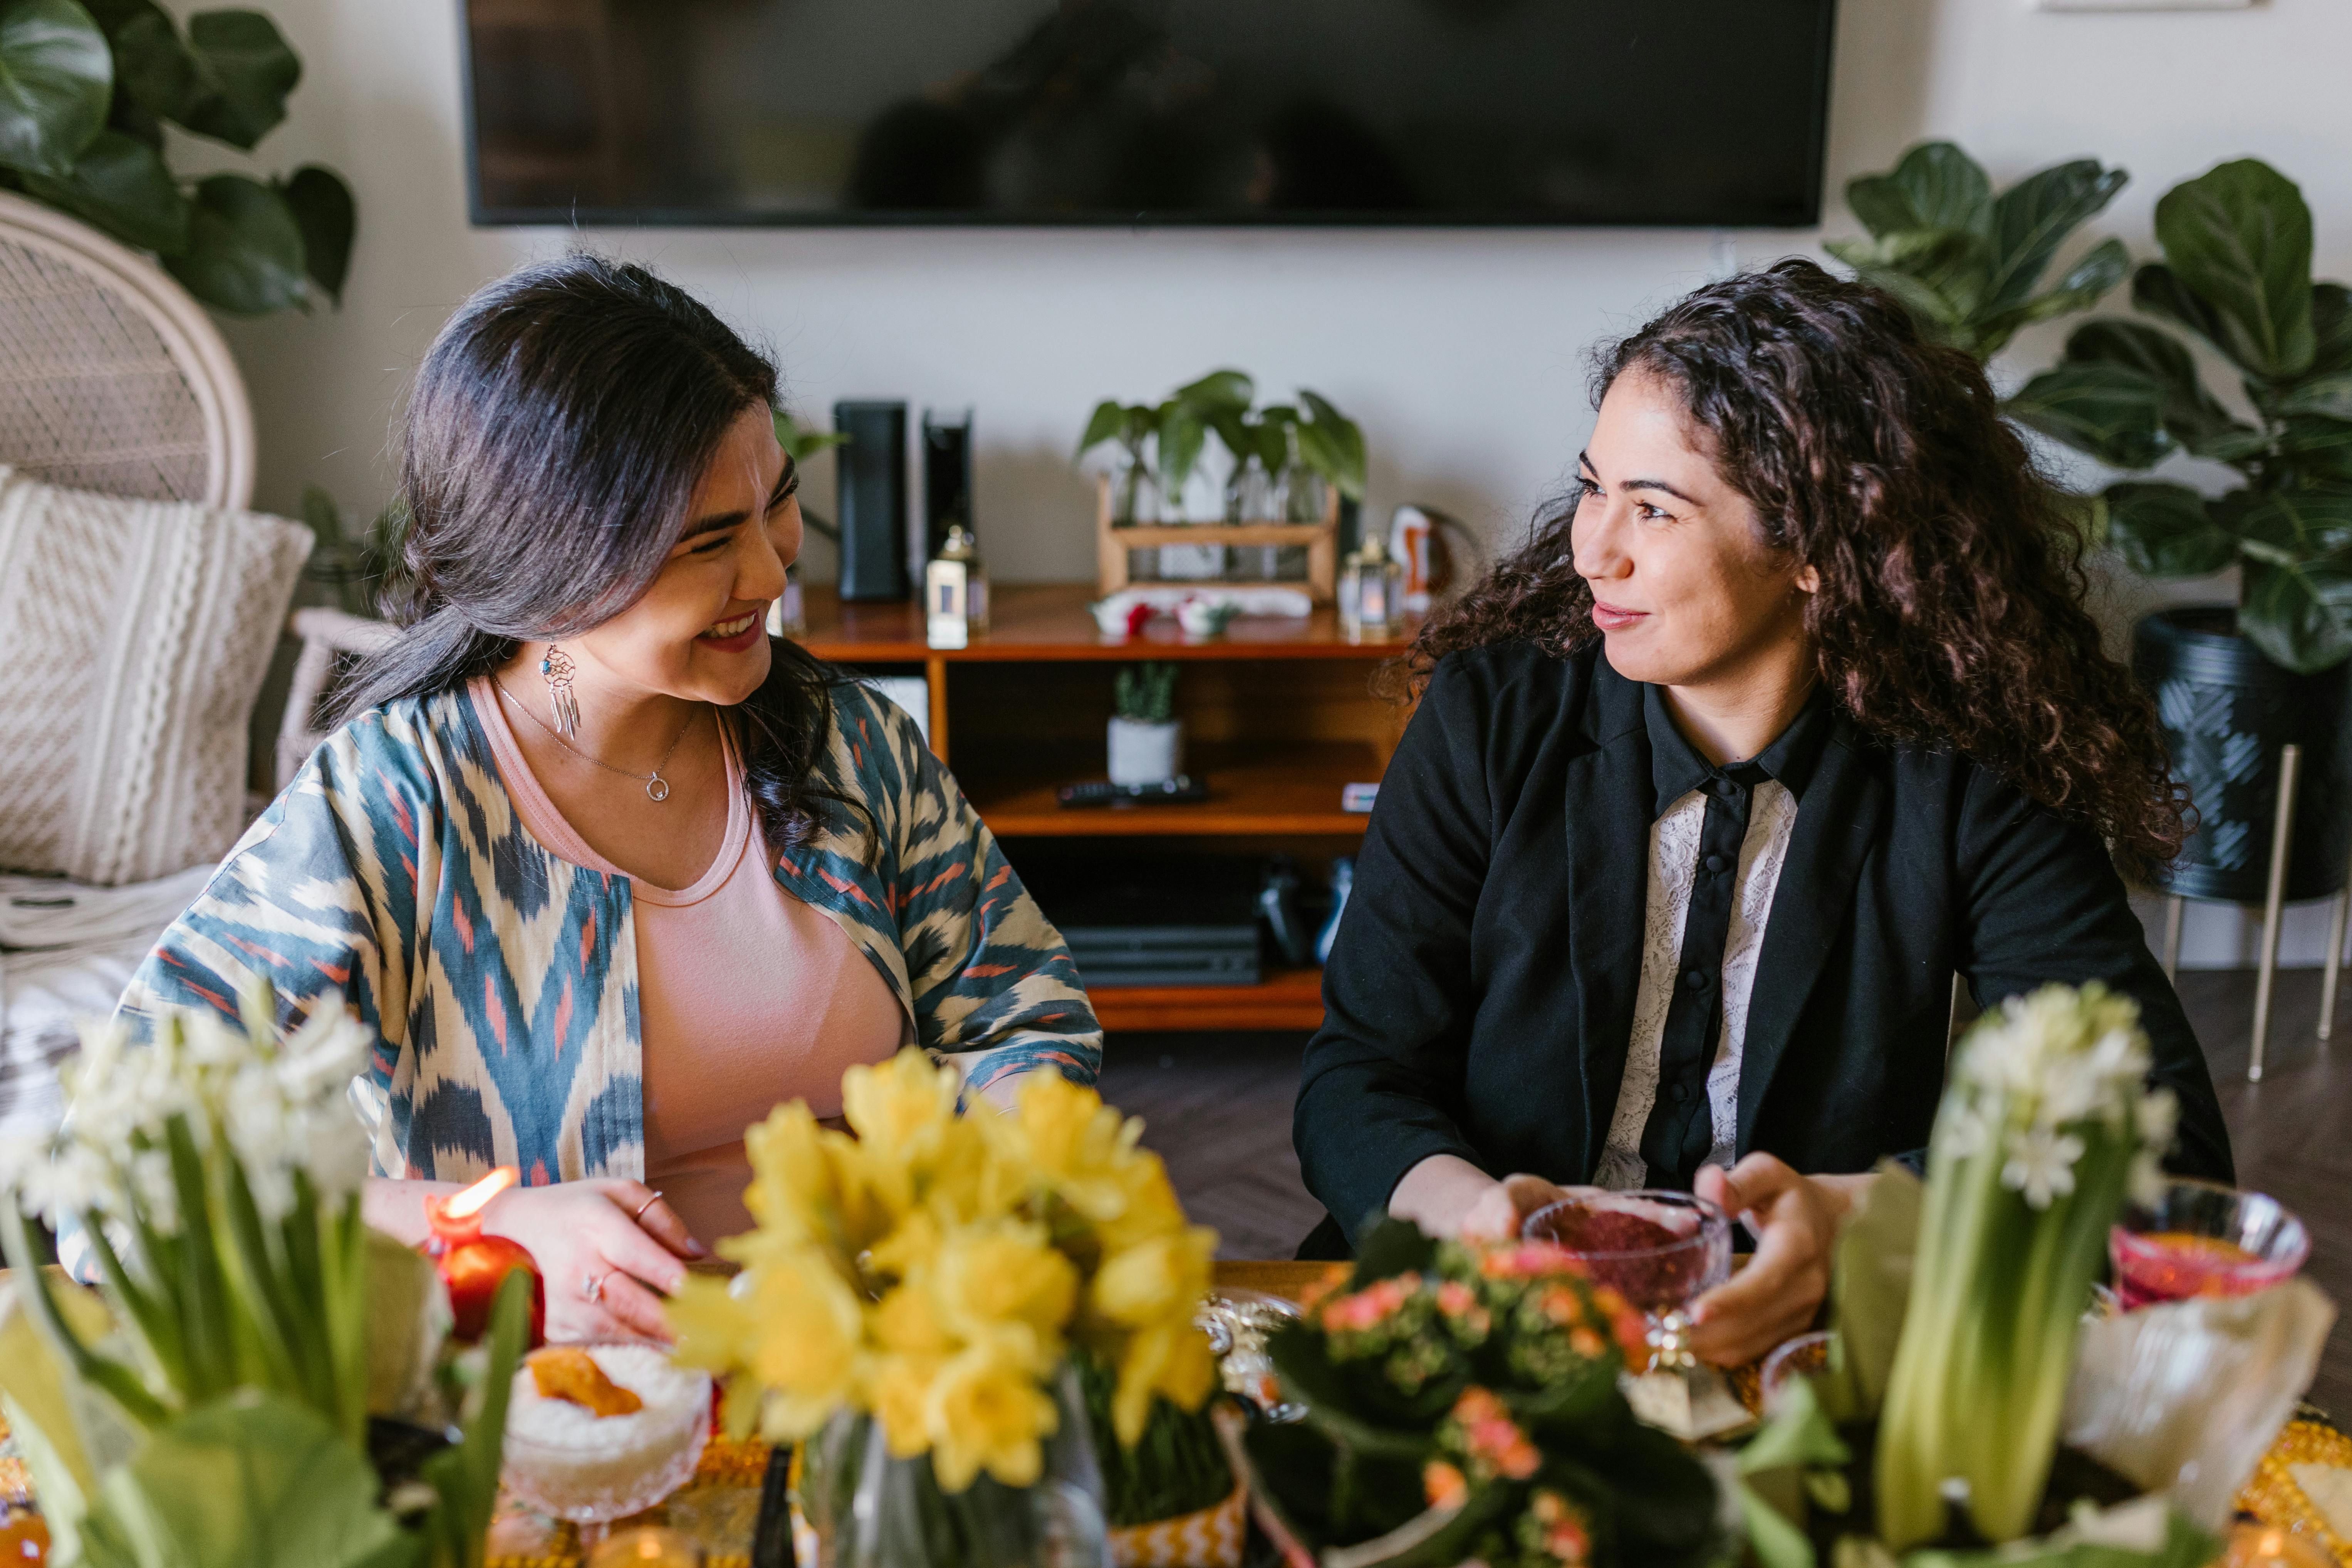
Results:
<point x="721" y="1504"/>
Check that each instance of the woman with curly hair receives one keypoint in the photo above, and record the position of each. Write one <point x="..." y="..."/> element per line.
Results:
<point x="1791" y="716"/>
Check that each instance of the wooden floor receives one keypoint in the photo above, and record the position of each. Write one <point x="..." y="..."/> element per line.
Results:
<point x="1218" y="1107"/>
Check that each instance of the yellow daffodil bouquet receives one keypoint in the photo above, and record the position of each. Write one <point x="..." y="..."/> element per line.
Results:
<point x="934" y="1276"/>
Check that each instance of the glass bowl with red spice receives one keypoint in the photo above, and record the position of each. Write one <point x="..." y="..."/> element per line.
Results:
<point x="1657" y="1248"/>
<point x="2199" y="1238"/>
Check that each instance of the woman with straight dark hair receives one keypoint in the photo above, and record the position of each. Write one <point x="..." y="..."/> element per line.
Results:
<point x="1791" y="716"/>
<point x="609" y="871"/>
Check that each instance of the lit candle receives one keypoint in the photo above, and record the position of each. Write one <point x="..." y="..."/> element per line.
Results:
<point x="647" y="1546"/>
<point x="473" y="1265"/>
<point x="2266" y="1546"/>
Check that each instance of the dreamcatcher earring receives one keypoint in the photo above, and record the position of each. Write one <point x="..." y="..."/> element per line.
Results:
<point x="556" y="667"/>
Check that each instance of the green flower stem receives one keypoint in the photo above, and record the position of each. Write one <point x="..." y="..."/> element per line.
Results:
<point x="1981" y="1374"/>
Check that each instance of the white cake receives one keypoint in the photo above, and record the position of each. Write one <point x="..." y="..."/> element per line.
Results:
<point x="580" y="1465"/>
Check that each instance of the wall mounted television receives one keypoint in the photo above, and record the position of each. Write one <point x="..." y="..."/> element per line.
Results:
<point x="1410" y="112"/>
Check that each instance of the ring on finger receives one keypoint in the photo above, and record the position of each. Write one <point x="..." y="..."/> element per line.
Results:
<point x="592" y="1284"/>
<point x="640" y="1215"/>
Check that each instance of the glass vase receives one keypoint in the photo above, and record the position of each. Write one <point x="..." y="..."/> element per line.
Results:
<point x="1135" y="500"/>
<point x="867" y="1509"/>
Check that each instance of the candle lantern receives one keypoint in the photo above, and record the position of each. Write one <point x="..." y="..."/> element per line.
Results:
<point x="1371" y="594"/>
<point x="472" y="1265"/>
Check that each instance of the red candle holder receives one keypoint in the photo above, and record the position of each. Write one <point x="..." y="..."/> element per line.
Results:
<point x="473" y="1265"/>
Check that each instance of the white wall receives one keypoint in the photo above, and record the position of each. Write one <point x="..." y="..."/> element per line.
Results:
<point x="1462" y="353"/>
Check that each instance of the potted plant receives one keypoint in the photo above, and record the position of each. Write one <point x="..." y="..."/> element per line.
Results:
<point x="1460" y="1403"/>
<point x="1283" y="457"/>
<point x="248" y="1323"/>
<point x="82" y="128"/>
<point x="1975" y="1411"/>
<point x="917" y="1302"/>
<point x="2234" y="683"/>
<point x="1968" y="264"/>
<point x="1147" y="739"/>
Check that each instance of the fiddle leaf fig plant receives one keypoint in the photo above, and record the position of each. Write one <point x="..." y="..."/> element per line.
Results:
<point x="2236" y="272"/>
<point x="86" y="89"/>
<point x="1968" y="264"/>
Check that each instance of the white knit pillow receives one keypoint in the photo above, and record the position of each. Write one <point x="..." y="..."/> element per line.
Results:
<point x="134" y="638"/>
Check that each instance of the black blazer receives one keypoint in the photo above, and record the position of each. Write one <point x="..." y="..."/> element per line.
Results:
<point x="1480" y="994"/>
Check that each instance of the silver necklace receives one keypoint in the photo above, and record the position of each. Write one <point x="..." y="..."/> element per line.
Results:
<point x="656" y="787"/>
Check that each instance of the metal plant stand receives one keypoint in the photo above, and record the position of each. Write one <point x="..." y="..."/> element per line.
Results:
<point x="2274" y="912"/>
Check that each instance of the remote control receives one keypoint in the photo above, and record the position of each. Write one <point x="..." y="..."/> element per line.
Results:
<point x="1182" y="790"/>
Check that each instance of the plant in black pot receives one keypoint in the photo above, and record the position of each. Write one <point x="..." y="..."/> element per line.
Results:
<point x="2234" y="683"/>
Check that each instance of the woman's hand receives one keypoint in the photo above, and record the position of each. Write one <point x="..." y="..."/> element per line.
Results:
<point x="615" y="1235"/>
<point x="1446" y="1196"/>
<point x="1796" y="1220"/>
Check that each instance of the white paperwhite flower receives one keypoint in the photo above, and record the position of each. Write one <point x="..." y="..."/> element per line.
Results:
<point x="1963" y="1133"/>
<point x="2041" y="1164"/>
<point x="280" y="1106"/>
<point x="2145" y="1184"/>
<point x="2160" y="1119"/>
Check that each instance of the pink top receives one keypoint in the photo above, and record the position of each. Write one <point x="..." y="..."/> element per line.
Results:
<point x="747" y="997"/>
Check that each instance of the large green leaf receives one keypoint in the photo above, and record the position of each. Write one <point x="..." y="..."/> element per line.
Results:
<point x="150" y="63"/>
<point x="2033" y="218"/>
<point x="2195" y="417"/>
<point x="1936" y="186"/>
<point x="2158" y="291"/>
<point x="56" y="76"/>
<point x="253" y="1481"/>
<point x="2331" y="327"/>
<point x="1342" y="441"/>
<point x="2239" y="237"/>
<point x="2113" y="412"/>
<point x="2287" y="528"/>
<point x="2317" y="451"/>
<point x="244" y="71"/>
<point x="245" y="249"/>
<point x="323" y="210"/>
<point x="1182" y="434"/>
<point x="2301" y="616"/>
<point x="1102" y="424"/>
<point x="2106" y="264"/>
<point x="1940" y="275"/>
<point x="122" y="184"/>
<point x="2329" y="396"/>
<point x="2087" y="282"/>
<point x="2167" y="531"/>
<point x="1220" y="391"/>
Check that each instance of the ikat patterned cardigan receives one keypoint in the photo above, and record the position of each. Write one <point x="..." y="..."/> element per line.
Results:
<point x="394" y="874"/>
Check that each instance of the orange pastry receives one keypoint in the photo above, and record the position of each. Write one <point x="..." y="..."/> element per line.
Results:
<point x="567" y="1372"/>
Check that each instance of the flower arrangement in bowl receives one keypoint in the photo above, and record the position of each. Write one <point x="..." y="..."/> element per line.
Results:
<point x="915" y="1301"/>
<point x="1461" y="1402"/>
<point x="1969" y="1412"/>
<point x="247" y="1323"/>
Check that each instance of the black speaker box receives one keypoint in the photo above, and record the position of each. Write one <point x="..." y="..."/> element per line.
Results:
<point x="872" y="499"/>
<point x="947" y="477"/>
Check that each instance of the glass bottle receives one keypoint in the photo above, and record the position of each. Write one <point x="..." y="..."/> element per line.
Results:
<point x="788" y="612"/>
<point x="955" y="592"/>
<point x="1371" y="594"/>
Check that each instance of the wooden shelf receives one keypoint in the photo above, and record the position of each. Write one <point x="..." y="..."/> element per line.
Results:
<point x="1280" y="713"/>
<point x="1049" y="621"/>
<point x="1286" y="999"/>
<point x="1252" y="790"/>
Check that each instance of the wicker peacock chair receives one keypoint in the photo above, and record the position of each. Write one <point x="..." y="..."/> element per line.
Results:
<point x="112" y="378"/>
